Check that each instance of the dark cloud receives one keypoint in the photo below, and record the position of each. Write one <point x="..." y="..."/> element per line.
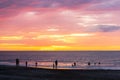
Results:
<point x="42" y="3"/>
<point x="69" y="3"/>
<point x="12" y="7"/>
<point x="15" y="3"/>
<point x="106" y="5"/>
<point x="104" y="28"/>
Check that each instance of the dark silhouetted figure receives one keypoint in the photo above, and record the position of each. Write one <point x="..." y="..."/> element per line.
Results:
<point x="26" y="63"/>
<point x="74" y="63"/>
<point x="99" y="63"/>
<point x="53" y="65"/>
<point x="89" y="63"/>
<point x="36" y="64"/>
<point x="56" y="64"/>
<point x="17" y="62"/>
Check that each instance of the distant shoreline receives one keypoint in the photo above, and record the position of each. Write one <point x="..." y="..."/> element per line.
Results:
<point x="23" y="73"/>
<point x="60" y="51"/>
<point x="69" y="67"/>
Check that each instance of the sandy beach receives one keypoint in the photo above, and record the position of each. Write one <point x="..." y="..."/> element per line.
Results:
<point x="23" y="73"/>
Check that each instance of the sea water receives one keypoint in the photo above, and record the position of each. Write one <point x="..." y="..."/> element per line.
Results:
<point x="97" y="59"/>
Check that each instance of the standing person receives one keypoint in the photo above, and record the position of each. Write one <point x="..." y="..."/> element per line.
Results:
<point x="89" y="63"/>
<point x="26" y="63"/>
<point x="53" y="65"/>
<point x="17" y="62"/>
<point x="99" y="63"/>
<point x="74" y="64"/>
<point x="56" y="64"/>
<point x="36" y="64"/>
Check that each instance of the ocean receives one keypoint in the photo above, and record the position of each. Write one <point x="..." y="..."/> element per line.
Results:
<point x="45" y="59"/>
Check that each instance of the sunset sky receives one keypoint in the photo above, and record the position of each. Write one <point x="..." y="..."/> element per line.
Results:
<point x="59" y="24"/>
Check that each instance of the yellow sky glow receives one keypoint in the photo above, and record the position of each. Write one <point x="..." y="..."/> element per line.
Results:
<point x="11" y="37"/>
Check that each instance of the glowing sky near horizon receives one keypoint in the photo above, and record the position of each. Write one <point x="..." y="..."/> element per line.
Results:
<point x="59" y="25"/>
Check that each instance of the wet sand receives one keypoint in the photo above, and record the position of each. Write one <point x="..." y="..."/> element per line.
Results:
<point x="23" y="73"/>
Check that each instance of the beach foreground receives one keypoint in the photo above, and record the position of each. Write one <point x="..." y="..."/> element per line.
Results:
<point x="23" y="73"/>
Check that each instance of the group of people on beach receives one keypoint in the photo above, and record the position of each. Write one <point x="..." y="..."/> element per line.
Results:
<point x="89" y="63"/>
<point x="26" y="63"/>
<point x="74" y="64"/>
<point x="55" y="63"/>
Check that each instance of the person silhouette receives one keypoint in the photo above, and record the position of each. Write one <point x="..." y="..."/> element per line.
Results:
<point x="26" y="63"/>
<point x="17" y="62"/>
<point x="53" y="65"/>
<point x="99" y="63"/>
<point x="74" y="63"/>
<point x="36" y="64"/>
<point x="56" y="64"/>
<point x="89" y="63"/>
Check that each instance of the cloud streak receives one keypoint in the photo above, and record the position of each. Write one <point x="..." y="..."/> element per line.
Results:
<point x="104" y="28"/>
<point x="106" y="5"/>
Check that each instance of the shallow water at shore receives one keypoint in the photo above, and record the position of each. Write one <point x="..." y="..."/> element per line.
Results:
<point x="107" y="59"/>
<point x="64" y="65"/>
